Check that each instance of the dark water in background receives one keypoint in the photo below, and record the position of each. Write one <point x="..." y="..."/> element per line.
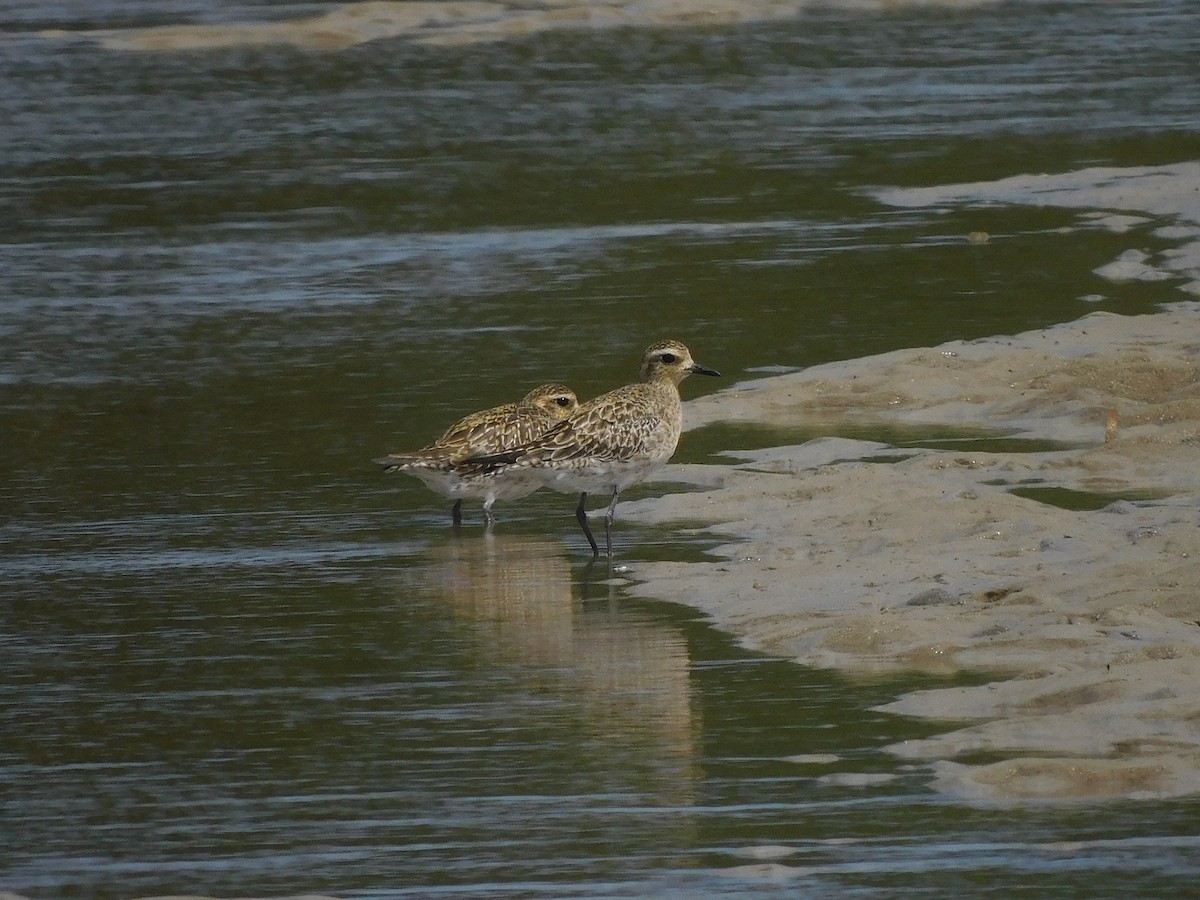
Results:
<point x="236" y="660"/>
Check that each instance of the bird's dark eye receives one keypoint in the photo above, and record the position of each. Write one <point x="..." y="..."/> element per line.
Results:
<point x="668" y="358"/>
<point x="563" y="401"/>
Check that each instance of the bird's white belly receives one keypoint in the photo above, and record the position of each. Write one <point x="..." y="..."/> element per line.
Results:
<point x="504" y="485"/>
<point x="593" y="476"/>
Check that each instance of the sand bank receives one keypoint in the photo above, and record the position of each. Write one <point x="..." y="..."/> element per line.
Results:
<point x="869" y="557"/>
<point x="449" y="22"/>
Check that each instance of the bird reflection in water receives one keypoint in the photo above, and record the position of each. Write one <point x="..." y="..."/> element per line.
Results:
<point x="627" y="675"/>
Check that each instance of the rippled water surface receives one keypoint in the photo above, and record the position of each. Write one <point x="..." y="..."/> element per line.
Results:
<point x="237" y="660"/>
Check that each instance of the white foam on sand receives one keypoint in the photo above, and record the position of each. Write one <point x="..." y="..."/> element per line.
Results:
<point x="451" y="22"/>
<point x="927" y="560"/>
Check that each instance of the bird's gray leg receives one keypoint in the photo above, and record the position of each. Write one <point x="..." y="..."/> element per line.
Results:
<point x="456" y="514"/>
<point x="608" y="520"/>
<point x="581" y="515"/>
<point x="489" y="519"/>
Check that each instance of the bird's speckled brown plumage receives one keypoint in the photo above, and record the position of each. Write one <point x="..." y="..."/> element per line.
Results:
<point x="615" y="440"/>
<point x="490" y="431"/>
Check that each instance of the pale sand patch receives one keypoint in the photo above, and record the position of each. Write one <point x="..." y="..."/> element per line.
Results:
<point x="452" y="22"/>
<point x="930" y="562"/>
<point x="1172" y="190"/>
<point x="5" y="895"/>
<point x="868" y="558"/>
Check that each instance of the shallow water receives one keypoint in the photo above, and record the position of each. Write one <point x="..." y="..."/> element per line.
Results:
<point x="237" y="660"/>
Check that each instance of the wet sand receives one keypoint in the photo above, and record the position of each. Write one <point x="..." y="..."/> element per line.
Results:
<point x="871" y="558"/>
<point x="454" y="22"/>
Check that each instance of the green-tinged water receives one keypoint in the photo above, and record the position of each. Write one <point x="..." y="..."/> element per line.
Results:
<point x="237" y="660"/>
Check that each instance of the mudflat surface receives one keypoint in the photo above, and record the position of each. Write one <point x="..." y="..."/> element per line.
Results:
<point x="868" y="558"/>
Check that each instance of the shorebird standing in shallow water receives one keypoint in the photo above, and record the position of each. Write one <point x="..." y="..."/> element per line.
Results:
<point x="611" y="442"/>
<point x="490" y="431"/>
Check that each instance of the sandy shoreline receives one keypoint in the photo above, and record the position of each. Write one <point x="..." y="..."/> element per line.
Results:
<point x="458" y="22"/>
<point x="869" y="558"/>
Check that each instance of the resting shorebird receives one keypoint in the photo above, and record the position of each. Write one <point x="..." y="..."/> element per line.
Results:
<point x="609" y="443"/>
<point x="490" y="431"/>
